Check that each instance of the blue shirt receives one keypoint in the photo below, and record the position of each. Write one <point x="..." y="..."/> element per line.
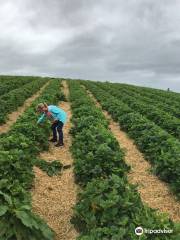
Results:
<point x="56" y="112"/>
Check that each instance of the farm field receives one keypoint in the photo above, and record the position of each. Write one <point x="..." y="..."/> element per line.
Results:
<point x="160" y="148"/>
<point x="10" y="100"/>
<point x="119" y="168"/>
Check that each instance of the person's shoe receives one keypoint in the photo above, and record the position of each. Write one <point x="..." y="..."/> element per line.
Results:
<point x="53" y="140"/>
<point x="59" y="145"/>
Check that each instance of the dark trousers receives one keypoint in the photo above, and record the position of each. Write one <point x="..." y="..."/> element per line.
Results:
<point x="57" y="127"/>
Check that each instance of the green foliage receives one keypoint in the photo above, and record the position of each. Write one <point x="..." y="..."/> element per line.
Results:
<point x="162" y="118"/>
<point x="18" y="222"/>
<point x="9" y="83"/>
<point x="51" y="168"/>
<point x="12" y="100"/>
<point x="167" y="101"/>
<point x="112" y="209"/>
<point x="159" y="147"/>
<point x="18" y="151"/>
<point x="108" y="207"/>
<point x="96" y="151"/>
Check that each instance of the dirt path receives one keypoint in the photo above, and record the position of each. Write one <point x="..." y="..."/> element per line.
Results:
<point x="12" y="117"/>
<point x="54" y="197"/>
<point x="153" y="191"/>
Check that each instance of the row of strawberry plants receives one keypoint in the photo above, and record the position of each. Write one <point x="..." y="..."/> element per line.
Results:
<point x="108" y="207"/>
<point x="10" y="83"/>
<point x="164" y="120"/>
<point x="172" y="96"/>
<point x="169" y="108"/>
<point x="153" y="97"/>
<point x="169" y="97"/>
<point x="18" y="151"/>
<point x="160" y="148"/>
<point x="11" y="101"/>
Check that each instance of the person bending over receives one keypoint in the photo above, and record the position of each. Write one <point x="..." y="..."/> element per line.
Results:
<point x="58" y="118"/>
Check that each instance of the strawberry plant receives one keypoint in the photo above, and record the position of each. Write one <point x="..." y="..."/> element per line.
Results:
<point x="51" y="168"/>
<point x="18" y="151"/>
<point x="159" y="147"/>
<point x="12" y="100"/>
<point x="9" y="83"/>
<point x="108" y="207"/>
<point x="112" y="209"/>
<point x="163" y="119"/>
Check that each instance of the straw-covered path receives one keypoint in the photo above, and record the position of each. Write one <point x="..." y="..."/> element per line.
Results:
<point x="54" y="197"/>
<point x="12" y="117"/>
<point x="154" y="192"/>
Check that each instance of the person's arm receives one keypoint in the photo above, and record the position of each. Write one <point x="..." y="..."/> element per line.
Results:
<point x="41" y="119"/>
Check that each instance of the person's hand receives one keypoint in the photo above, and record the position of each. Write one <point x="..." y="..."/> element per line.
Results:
<point x="48" y="114"/>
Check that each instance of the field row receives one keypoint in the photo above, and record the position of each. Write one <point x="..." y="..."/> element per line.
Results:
<point x="19" y="149"/>
<point x="10" y="101"/>
<point x="10" y="83"/>
<point x="108" y="206"/>
<point x="159" y="147"/>
<point x="169" y="98"/>
<point x="161" y="118"/>
<point x="153" y="100"/>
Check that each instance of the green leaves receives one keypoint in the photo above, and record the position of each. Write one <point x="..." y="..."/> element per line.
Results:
<point x="36" y="224"/>
<point x="159" y="147"/>
<point x="3" y="210"/>
<point x="18" y="150"/>
<point x="16" y="97"/>
<point x="95" y="149"/>
<point x="7" y="198"/>
<point x="51" y="168"/>
<point x="26" y="219"/>
<point x="108" y="207"/>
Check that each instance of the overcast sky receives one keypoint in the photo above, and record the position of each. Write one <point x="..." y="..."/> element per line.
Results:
<point x="132" y="41"/>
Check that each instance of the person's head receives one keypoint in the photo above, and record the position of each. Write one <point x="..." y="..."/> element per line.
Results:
<point x="42" y="107"/>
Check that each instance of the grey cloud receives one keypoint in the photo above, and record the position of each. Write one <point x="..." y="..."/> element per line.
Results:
<point x="124" y="41"/>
